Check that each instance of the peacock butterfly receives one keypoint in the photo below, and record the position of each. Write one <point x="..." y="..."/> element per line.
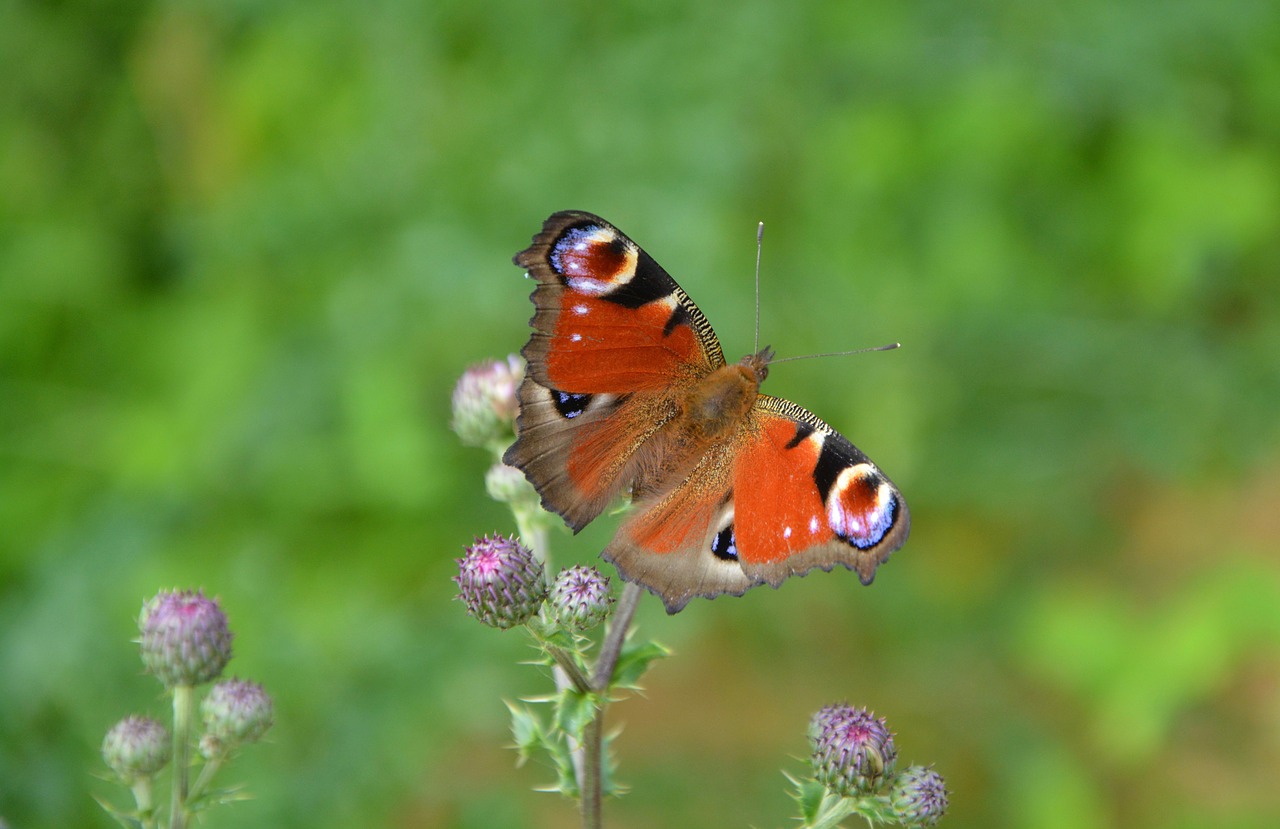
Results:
<point x="627" y="391"/>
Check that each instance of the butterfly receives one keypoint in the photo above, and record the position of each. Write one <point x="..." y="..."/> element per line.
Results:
<point x="627" y="391"/>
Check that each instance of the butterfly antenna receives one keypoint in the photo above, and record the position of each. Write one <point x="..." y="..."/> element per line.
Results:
<point x="889" y="347"/>
<point x="756" y="348"/>
<point x="759" y="245"/>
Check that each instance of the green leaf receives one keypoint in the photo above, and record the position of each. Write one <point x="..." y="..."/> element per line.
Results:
<point x="634" y="661"/>
<point x="608" y="780"/>
<point x="562" y="758"/>
<point x="574" y="710"/>
<point x="217" y="797"/>
<point x="526" y="730"/>
<point x="808" y="796"/>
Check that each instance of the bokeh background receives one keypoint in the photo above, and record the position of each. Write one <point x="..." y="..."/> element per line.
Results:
<point x="246" y="248"/>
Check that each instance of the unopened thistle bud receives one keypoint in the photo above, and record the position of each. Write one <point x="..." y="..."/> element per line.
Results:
<point x="508" y="485"/>
<point x="136" y="748"/>
<point x="580" y="598"/>
<point x="236" y="712"/>
<point x="485" y="401"/>
<point x="185" y="638"/>
<point x="853" y="751"/>
<point x="919" y="796"/>
<point x="501" y="582"/>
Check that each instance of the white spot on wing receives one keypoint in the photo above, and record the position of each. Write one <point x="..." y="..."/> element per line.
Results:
<point x="589" y="285"/>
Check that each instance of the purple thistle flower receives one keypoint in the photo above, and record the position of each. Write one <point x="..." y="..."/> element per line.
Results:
<point x="236" y="711"/>
<point x="919" y="796"/>
<point x="580" y="598"/>
<point x="853" y="751"/>
<point x="136" y="748"/>
<point x="185" y="638"/>
<point x="501" y="582"/>
<point x="485" y="401"/>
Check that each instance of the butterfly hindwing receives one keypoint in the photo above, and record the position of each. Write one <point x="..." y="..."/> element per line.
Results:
<point x="672" y="543"/>
<point x="787" y="495"/>
<point x="805" y="497"/>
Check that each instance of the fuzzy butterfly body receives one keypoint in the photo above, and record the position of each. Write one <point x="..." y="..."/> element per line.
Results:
<point x="627" y="392"/>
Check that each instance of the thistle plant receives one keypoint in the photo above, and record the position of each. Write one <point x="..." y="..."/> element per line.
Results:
<point x="505" y="582"/>
<point x="185" y="643"/>
<point x="853" y="759"/>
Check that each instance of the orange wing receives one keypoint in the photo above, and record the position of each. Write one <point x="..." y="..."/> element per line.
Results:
<point x="785" y="495"/>
<point x="615" y="341"/>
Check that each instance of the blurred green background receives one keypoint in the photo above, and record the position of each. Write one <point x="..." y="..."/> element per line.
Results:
<point x="246" y="248"/>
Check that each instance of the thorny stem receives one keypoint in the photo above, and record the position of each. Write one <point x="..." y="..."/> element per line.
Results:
<point x="566" y="664"/>
<point x="210" y="768"/>
<point x="592" y="757"/>
<point x="612" y="646"/>
<point x="593" y="736"/>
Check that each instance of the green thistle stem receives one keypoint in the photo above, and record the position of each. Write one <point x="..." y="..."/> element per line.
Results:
<point x="563" y="659"/>
<point x="593" y="736"/>
<point x="146" y="807"/>
<point x="184" y="706"/>
<point x="617" y="635"/>
<point x="592" y="771"/>
<point x="207" y="772"/>
<point x="532" y="533"/>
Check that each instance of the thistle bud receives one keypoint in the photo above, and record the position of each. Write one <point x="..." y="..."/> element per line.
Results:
<point x="580" y="598"/>
<point x="236" y="712"/>
<point x="501" y="582"/>
<point x="919" y="796"/>
<point x="185" y="638"/>
<point x="508" y="485"/>
<point x="136" y="748"/>
<point x="485" y="401"/>
<point x="853" y="751"/>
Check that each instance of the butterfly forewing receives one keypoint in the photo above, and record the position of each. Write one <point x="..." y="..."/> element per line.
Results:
<point x="615" y="343"/>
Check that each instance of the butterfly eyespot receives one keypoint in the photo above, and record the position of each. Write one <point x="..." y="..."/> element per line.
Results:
<point x="570" y="405"/>
<point x="724" y="546"/>
<point x="594" y="260"/>
<point x="861" y="507"/>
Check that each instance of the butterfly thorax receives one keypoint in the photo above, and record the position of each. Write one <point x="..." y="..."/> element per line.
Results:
<point x="719" y="402"/>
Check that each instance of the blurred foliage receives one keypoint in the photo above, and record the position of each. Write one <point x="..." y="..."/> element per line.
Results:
<point x="247" y="247"/>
